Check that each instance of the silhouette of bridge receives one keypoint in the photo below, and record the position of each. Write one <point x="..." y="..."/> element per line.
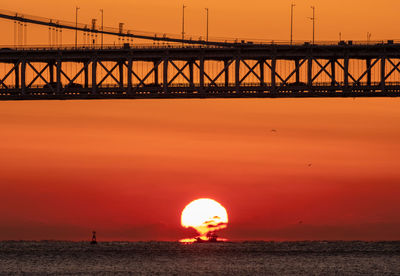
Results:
<point x="186" y="68"/>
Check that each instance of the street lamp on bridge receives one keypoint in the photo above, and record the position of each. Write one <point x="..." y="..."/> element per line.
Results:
<point x="313" y="26"/>
<point x="102" y="27"/>
<point x="291" y="22"/>
<point x="76" y="25"/>
<point x="207" y="26"/>
<point x="183" y="22"/>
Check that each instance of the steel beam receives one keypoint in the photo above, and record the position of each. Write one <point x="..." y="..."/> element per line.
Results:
<point x="368" y="65"/>
<point x="191" y="73"/>
<point x="297" y="66"/>
<point x="262" y="77"/>
<point x="383" y="73"/>
<point x="310" y="72"/>
<point x="273" y="74"/>
<point x="333" y="72"/>
<point x="237" y="74"/>
<point x="165" y="75"/>
<point x="86" y="74"/>
<point x="130" y="62"/>
<point x="51" y="72"/>
<point x="156" y="64"/>
<point x="346" y="73"/>
<point x="121" y="73"/>
<point x="58" y="72"/>
<point x="16" y="74"/>
<point x="201" y="76"/>
<point x="23" y="76"/>
<point x="226" y="66"/>
<point x="94" y="76"/>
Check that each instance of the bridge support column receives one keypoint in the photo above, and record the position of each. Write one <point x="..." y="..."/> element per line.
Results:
<point x="368" y="64"/>
<point x="23" y="76"/>
<point x="165" y="75"/>
<point x="262" y="77"/>
<point x="237" y="74"/>
<point x="333" y="72"/>
<point x="94" y="77"/>
<point x="86" y="73"/>
<point x="346" y="74"/>
<point x="51" y="72"/>
<point x="297" y="66"/>
<point x="310" y="73"/>
<point x="121" y="73"/>
<point x="16" y="73"/>
<point x="191" y="74"/>
<point x="58" y="72"/>
<point x="383" y="73"/>
<point x="155" y="65"/>
<point x="130" y="76"/>
<point x="226" y="74"/>
<point x="202" y="90"/>
<point x="273" y="74"/>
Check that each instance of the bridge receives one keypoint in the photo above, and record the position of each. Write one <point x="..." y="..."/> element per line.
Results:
<point x="187" y="68"/>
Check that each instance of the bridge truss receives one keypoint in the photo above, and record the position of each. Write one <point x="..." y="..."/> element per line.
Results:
<point x="201" y="72"/>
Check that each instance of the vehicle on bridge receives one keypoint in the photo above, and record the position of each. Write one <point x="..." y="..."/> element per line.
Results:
<point x="73" y="86"/>
<point x="52" y="86"/>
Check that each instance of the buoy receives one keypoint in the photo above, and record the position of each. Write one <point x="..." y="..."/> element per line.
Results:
<point x="94" y="241"/>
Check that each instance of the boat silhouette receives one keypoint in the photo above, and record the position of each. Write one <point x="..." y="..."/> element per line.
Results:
<point x="211" y="238"/>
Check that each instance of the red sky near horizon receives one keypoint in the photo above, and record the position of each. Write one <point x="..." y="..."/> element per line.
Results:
<point x="128" y="168"/>
<point x="285" y="169"/>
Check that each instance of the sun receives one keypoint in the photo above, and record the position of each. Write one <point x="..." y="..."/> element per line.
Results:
<point x="205" y="215"/>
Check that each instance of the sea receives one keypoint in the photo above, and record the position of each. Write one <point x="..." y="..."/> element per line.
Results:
<point x="174" y="258"/>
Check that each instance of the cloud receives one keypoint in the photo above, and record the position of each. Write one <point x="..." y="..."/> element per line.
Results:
<point x="221" y="224"/>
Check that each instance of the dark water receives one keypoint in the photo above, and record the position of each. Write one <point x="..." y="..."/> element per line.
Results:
<point x="159" y="258"/>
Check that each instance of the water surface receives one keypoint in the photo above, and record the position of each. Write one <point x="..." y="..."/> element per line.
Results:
<point x="246" y="258"/>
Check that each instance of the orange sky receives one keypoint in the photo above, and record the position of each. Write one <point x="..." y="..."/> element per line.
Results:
<point x="127" y="168"/>
<point x="257" y="19"/>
